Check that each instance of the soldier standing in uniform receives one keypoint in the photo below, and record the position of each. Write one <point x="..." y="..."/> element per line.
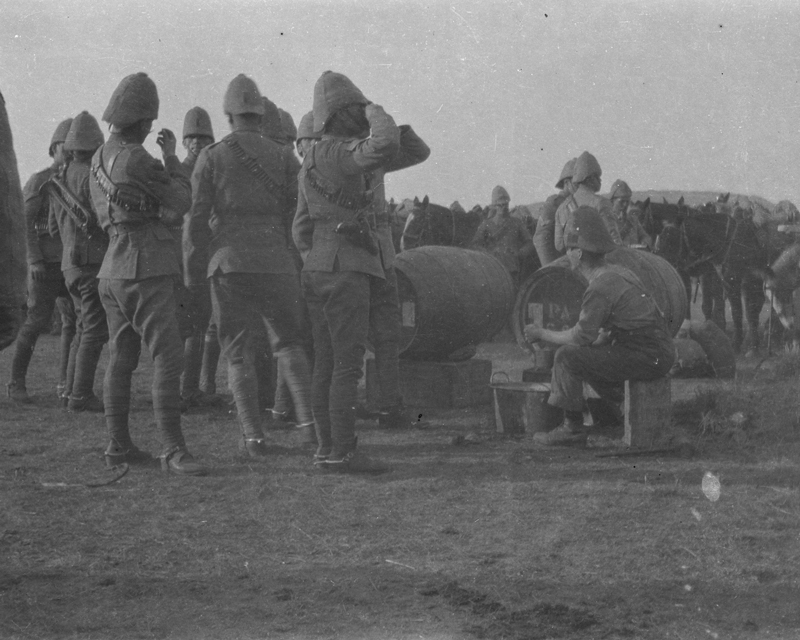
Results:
<point x="585" y="185"/>
<point x="193" y="314"/>
<point x="505" y="237"/>
<point x="244" y="190"/>
<point x="544" y="236"/>
<point x="306" y="136"/>
<point x="12" y="236"/>
<point x="46" y="286"/>
<point x="631" y="231"/>
<point x="85" y="245"/>
<point x="342" y="231"/>
<point x="135" y="198"/>
<point x="287" y="127"/>
<point x="278" y="125"/>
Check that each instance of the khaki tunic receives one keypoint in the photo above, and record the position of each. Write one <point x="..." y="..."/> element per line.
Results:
<point x="346" y="163"/>
<point x="238" y="224"/>
<point x="583" y="197"/>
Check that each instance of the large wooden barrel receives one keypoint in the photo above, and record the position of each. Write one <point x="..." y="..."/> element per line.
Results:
<point x="552" y="296"/>
<point x="450" y="298"/>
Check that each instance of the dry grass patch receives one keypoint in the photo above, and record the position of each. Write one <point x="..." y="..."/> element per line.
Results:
<point x="498" y="539"/>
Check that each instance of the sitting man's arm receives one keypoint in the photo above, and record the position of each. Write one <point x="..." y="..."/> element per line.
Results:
<point x="595" y="310"/>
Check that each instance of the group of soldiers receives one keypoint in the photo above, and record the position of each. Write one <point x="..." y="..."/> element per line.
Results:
<point x="511" y="241"/>
<point x="237" y="243"/>
<point x="240" y="244"/>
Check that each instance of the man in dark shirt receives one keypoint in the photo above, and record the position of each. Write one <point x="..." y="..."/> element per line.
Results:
<point x="620" y="334"/>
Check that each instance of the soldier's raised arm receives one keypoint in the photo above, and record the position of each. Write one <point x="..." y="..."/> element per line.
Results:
<point x="382" y="145"/>
<point x="167" y="181"/>
<point x="413" y="150"/>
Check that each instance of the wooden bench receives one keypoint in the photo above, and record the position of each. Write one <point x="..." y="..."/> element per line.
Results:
<point x="648" y="410"/>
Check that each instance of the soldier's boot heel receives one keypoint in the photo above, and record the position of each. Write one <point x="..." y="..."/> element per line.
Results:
<point x="116" y="453"/>
<point x="17" y="392"/>
<point x="180" y="461"/>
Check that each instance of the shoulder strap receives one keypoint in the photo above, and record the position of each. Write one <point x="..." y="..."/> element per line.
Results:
<point x="634" y="281"/>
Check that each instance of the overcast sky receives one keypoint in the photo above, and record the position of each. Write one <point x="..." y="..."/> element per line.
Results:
<point x="667" y="95"/>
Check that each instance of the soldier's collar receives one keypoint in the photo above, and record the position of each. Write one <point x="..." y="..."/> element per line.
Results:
<point x="247" y="128"/>
<point x="328" y="136"/>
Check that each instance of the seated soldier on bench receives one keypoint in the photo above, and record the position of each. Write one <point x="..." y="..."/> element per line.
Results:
<point x="620" y="335"/>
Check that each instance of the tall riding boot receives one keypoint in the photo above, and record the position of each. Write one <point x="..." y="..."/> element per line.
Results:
<point x="242" y="381"/>
<point x="211" y="352"/>
<point x="23" y="352"/>
<point x="70" y="336"/>
<point x="192" y="362"/>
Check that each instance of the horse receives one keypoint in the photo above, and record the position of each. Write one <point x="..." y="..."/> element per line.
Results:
<point x="782" y="276"/>
<point x="742" y="276"/>
<point x="664" y="223"/>
<point x="433" y="224"/>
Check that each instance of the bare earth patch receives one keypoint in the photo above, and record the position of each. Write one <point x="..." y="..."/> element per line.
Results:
<point x="486" y="538"/>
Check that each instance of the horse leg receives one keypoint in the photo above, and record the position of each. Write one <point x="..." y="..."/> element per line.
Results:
<point x="713" y="297"/>
<point x="735" y="299"/>
<point x="753" y="292"/>
<point x="718" y="295"/>
<point x="784" y="306"/>
<point x="687" y="283"/>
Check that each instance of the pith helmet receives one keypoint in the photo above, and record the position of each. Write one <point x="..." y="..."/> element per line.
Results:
<point x="332" y="92"/>
<point x="287" y="125"/>
<point x="84" y="134"/>
<point x="242" y="96"/>
<point x="134" y="99"/>
<point x="271" y="120"/>
<point x="500" y="195"/>
<point x="620" y="189"/>
<point x="306" y="128"/>
<point x="589" y="232"/>
<point x="567" y="172"/>
<point x="585" y="166"/>
<point x="197" y="122"/>
<point x="60" y="134"/>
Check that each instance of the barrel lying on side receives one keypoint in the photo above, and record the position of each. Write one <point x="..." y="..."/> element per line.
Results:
<point x="552" y="296"/>
<point x="450" y="298"/>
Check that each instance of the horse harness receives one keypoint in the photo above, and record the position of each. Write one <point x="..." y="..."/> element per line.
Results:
<point x="725" y="248"/>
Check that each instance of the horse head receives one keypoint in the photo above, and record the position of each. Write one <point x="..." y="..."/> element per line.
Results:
<point x="416" y="223"/>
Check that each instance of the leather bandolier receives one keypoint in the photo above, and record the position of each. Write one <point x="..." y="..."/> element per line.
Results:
<point x="56" y="187"/>
<point x="276" y="189"/>
<point x="136" y="203"/>
<point x="361" y="230"/>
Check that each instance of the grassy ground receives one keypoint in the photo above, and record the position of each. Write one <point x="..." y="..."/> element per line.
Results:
<point x="496" y="539"/>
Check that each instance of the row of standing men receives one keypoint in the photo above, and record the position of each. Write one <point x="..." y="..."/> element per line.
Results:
<point x="148" y="250"/>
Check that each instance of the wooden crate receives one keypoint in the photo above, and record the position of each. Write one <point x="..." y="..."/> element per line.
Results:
<point x="648" y="407"/>
<point x="438" y="385"/>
